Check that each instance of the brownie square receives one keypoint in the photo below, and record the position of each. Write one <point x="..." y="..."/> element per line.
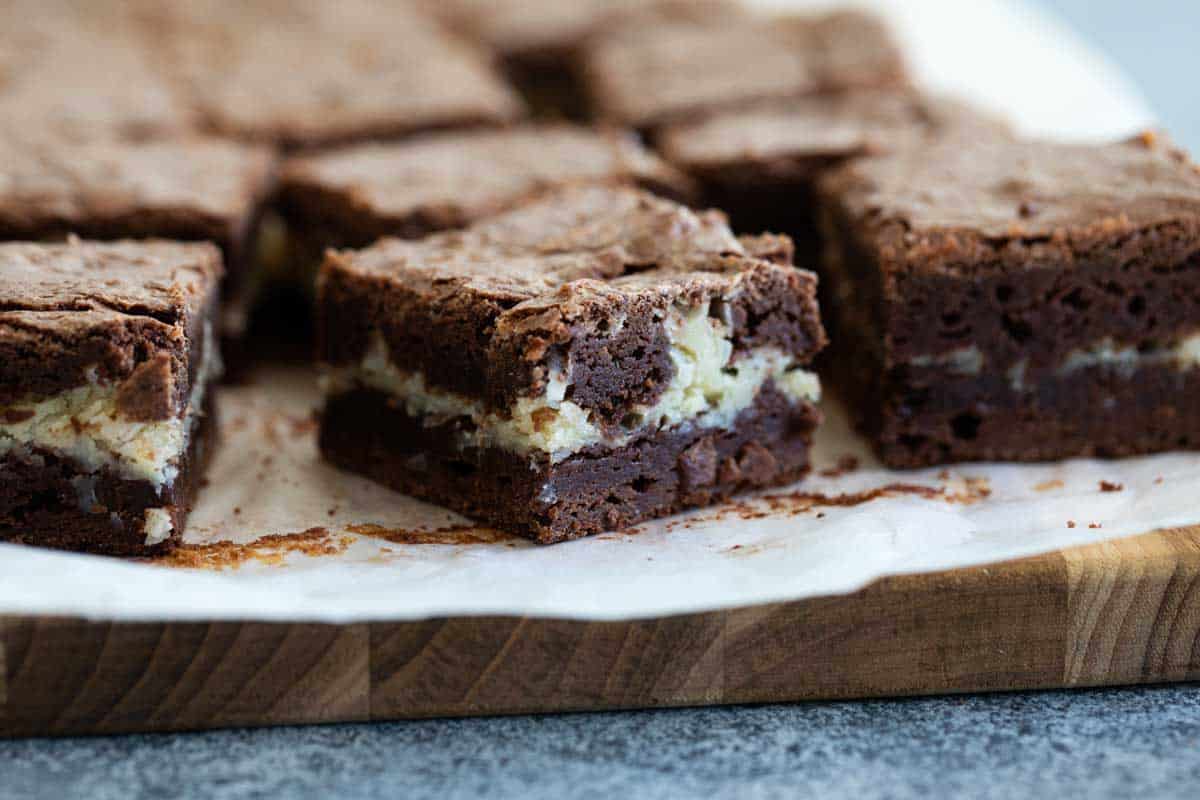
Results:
<point x="107" y="359"/>
<point x="353" y="196"/>
<point x="994" y="299"/>
<point x="540" y="41"/>
<point x="646" y="76"/>
<point x="308" y="74"/>
<point x="596" y="358"/>
<point x="83" y="70"/>
<point x="760" y="164"/>
<point x="191" y="189"/>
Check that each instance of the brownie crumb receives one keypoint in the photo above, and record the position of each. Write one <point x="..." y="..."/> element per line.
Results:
<point x="845" y="464"/>
<point x="1070" y="523"/>
<point x="1109" y="486"/>
<point x="1095" y="525"/>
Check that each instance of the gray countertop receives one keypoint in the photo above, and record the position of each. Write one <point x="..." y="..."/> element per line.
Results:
<point x="1115" y="743"/>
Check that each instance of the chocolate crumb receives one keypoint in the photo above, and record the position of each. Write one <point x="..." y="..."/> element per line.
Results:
<point x="1109" y="486"/>
<point x="1070" y="523"/>
<point x="1095" y="525"/>
<point x="12" y="416"/>
<point x="845" y="464"/>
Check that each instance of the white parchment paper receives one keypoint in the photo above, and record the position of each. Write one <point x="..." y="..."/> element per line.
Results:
<point x="372" y="554"/>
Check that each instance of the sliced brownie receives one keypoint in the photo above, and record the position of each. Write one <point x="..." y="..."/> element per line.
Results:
<point x="596" y="358"/>
<point x="994" y="299"/>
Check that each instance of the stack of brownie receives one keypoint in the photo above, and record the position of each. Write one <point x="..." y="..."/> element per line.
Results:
<point x="495" y="213"/>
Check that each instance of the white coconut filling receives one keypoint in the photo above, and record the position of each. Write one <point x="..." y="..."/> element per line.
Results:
<point x="84" y="425"/>
<point x="1126" y="360"/>
<point x="709" y="389"/>
<point x="158" y="526"/>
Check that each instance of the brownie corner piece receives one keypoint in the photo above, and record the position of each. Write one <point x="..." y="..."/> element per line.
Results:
<point x="591" y="360"/>
<point x="107" y="360"/>
<point x="1016" y="300"/>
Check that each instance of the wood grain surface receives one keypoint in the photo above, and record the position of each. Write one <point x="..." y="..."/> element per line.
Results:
<point x="1115" y="613"/>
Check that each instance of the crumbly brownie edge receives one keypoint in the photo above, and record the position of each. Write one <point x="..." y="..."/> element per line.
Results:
<point x="40" y="504"/>
<point x="591" y="492"/>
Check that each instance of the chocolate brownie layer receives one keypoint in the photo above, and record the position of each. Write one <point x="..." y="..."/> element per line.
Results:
<point x="107" y="360"/>
<point x="540" y="41"/>
<point x="48" y="501"/>
<point x="646" y="76"/>
<point x="351" y="197"/>
<point x="304" y="74"/>
<point x="593" y="491"/>
<point x="186" y="189"/>
<point x="759" y="164"/>
<point x="587" y="327"/>
<point x="83" y="70"/>
<point x="975" y="292"/>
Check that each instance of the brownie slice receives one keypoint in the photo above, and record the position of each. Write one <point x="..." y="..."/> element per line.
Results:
<point x="760" y="164"/>
<point x="410" y="189"/>
<point x="646" y="76"/>
<point x="1017" y="300"/>
<point x="83" y="70"/>
<point x="540" y="41"/>
<point x="190" y="189"/>
<point x="593" y="359"/>
<point x="307" y="74"/>
<point x="107" y="356"/>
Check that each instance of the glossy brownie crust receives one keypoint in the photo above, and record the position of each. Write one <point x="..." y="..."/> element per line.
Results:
<point x="1085" y="247"/>
<point x="56" y="505"/>
<point x="596" y="490"/>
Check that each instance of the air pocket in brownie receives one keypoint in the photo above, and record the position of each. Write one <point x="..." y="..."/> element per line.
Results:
<point x="992" y="299"/>
<point x="591" y="360"/>
<point x="107" y="359"/>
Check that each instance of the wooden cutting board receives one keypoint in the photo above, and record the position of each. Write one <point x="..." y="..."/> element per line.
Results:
<point x="1122" y="612"/>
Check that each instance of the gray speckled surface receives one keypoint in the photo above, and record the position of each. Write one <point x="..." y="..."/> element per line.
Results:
<point x="1116" y="743"/>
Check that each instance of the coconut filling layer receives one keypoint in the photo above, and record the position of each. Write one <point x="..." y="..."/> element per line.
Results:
<point x="1126" y="360"/>
<point x="709" y="389"/>
<point x="85" y="426"/>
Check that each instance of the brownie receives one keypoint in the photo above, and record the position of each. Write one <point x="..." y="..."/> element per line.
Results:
<point x="107" y="356"/>
<point x="306" y="74"/>
<point x="84" y="70"/>
<point x="190" y="189"/>
<point x="353" y="196"/>
<point x="540" y="42"/>
<point x="994" y="299"/>
<point x="647" y="76"/>
<point x="595" y="358"/>
<point x="759" y="164"/>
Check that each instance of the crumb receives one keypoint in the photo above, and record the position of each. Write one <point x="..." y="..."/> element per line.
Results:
<point x="1158" y="480"/>
<point x="332" y="511"/>
<point x="1095" y="525"/>
<point x="1070" y="523"/>
<point x="1109" y="486"/>
<point x="844" y="465"/>
<point x="237" y="509"/>
<point x="1046" y="486"/>
<point x="820" y="515"/>
<point x="736" y="547"/>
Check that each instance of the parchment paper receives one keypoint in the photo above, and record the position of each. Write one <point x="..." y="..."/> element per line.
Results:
<point x="341" y="549"/>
